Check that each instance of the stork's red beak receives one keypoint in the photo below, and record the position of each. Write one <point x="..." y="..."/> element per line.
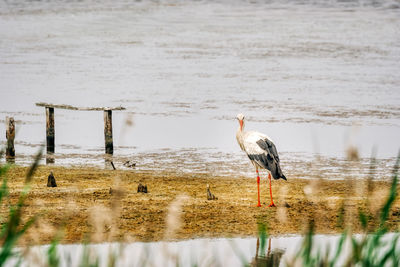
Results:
<point x="241" y="124"/>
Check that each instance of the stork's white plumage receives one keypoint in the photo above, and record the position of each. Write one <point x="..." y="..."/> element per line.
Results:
<point x="262" y="153"/>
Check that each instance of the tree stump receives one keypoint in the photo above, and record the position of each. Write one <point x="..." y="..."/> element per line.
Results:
<point x="108" y="137"/>
<point x="51" y="181"/>
<point x="142" y="188"/>
<point x="10" y="135"/>
<point x="50" y="130"/>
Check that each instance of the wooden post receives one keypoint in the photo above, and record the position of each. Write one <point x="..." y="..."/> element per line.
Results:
<point x="50" y="132"/>
<point x="10" y="135"/>
<point x="108" y="132"/>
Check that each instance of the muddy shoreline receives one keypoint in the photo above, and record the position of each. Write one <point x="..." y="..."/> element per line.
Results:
<point x="97" y="205"/>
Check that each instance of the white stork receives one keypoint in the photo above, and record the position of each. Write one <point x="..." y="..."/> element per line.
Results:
<point x="262" y="153"/>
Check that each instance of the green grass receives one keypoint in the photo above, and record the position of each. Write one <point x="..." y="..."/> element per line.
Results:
<point x="14" y="228"/>
<point x="374" y="248"/>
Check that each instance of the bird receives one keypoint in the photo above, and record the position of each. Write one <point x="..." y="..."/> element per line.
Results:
<point x="129" y="164"/>
<point x="262" y="153"/>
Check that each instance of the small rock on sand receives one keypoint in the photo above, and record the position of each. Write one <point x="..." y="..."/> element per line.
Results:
<point x="142" y="188"/>
<point x="51" y="181"/>
<point x="210" y="196"/>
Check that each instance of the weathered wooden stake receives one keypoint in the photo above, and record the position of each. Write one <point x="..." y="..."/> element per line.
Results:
<point x="10" y="135"/>
<point x="50" y="132"/>
<point x="108" y="132"/>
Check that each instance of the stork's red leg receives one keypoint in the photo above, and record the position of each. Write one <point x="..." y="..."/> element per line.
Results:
<point x="258" y="189"/>
<point x="270" y="191"/>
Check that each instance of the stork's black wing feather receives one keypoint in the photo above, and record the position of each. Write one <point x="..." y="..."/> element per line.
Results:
<point x="269" y="148"/>
<point x="269" y="159"/>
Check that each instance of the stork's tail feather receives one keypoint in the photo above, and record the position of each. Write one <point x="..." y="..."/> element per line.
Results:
<point x="277" y="176"/>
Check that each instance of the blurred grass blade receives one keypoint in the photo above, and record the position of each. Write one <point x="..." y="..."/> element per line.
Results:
<point x="34" y="165"/>
<point x="307" y="246"/>
<point x="87" y="261"/>
<point x="12" y="230"/>
<point x="52" y="258"/>
<point x="339" y="248"/>
<point x="392" y="195"/>
<point x="262" y="233"/>
<point x="390" y="253"/>
<point x="363" y="219"/>
<point x="3" y="189"/>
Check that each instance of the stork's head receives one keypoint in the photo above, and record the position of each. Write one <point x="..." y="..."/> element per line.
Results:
<point x="240" y="118"/>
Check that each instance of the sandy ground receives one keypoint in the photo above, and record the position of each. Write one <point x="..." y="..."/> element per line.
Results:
<point x="176" y="206"/>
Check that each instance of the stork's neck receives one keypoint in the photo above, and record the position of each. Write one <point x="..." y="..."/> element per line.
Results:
<point x="239" y="136"/>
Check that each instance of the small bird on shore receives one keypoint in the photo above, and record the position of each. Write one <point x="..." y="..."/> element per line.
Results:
<point x="262" y="153"/>
<point x="129" y="164"/>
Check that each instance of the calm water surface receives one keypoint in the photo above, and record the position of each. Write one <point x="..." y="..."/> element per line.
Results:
<point x="315" y="76"/>
<point x="200" y="252"/>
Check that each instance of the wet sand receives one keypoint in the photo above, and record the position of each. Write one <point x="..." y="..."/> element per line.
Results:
<point x="103" y="205"/>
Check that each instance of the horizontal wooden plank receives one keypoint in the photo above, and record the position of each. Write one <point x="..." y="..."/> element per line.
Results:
<point x="42" y="104"/>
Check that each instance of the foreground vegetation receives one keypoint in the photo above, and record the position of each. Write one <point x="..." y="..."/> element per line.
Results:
<point x="375" y="247"/>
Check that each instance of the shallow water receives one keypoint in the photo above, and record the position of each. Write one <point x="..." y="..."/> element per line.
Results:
<point x="200" y="252"/>
<point x="314" y="76"/>
<point x="204" y="252"/>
